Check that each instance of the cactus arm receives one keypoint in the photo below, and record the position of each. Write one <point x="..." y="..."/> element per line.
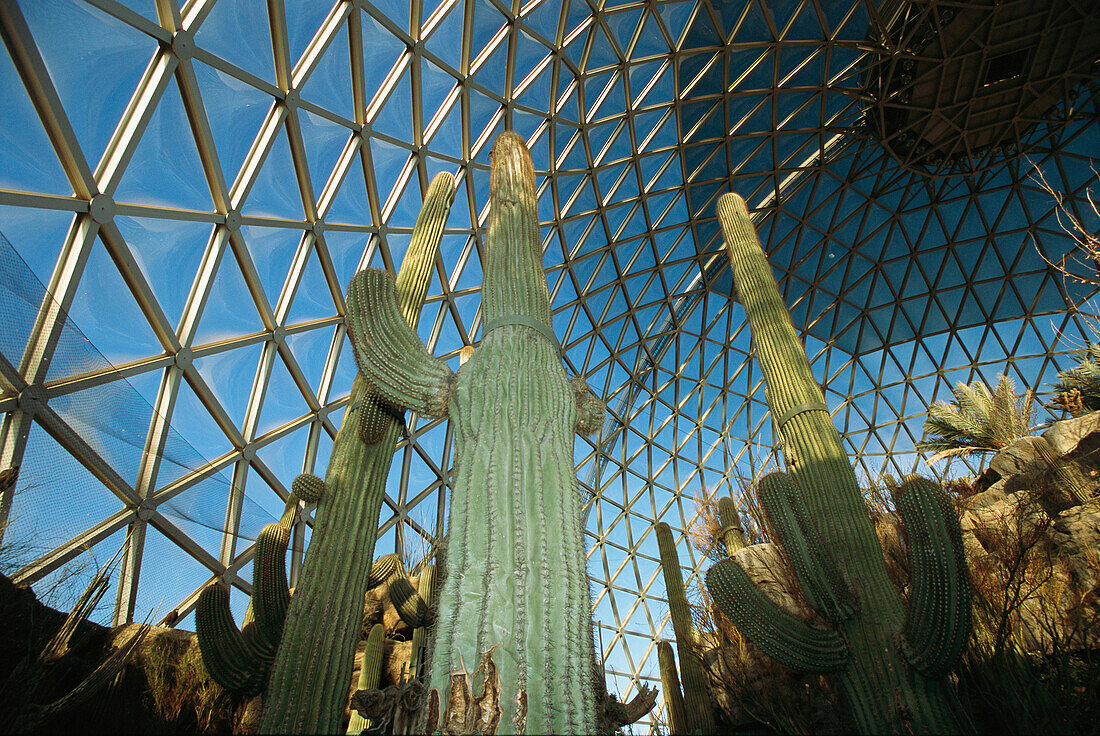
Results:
<point x="697" y="706"/>
<point x="271" y="593"/>
<point x="636" y="708"/>
<point x="938" y="625"/>
<point x="590" y="409"/>
<point x="370" y="674"/>
<point x="389" y="353"/>
<point x="783" y="636"/>
<point x="733" y="531"/>
<point x="670" y="681"/>
<point x="225" y="653"/>
<point x="382" y="569"/>
<point x="822" y="584"/>
<point x="412" y="609"/>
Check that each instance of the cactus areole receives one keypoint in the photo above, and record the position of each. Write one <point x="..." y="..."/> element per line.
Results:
<point x="516" y="581"/>
<point x="889" y="663"/>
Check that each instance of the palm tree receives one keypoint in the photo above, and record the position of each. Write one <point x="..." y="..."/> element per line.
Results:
<point x="977" y="421"/>
<point x="1078" y="389"/>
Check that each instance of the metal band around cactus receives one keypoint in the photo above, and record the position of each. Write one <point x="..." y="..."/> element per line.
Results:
<point x="519" y="319"/>
<point x="798" y="409"/>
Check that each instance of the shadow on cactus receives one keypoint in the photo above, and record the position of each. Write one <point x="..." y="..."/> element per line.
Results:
<point x="889" y="663"/>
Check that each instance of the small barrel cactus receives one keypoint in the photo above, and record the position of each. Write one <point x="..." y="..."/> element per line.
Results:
<point x="890" y="666"/>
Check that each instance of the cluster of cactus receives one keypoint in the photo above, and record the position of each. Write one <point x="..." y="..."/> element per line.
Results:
<point x="698" y="711"/>
<point x="307" y="692"/>
<point x="240" y="659"/>
<point x="890" y="666"/>
<point x="517" y="580"/>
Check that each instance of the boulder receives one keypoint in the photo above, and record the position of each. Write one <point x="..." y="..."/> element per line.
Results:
<point x="1020" y="457"/>
<point x="1068" y="435"/>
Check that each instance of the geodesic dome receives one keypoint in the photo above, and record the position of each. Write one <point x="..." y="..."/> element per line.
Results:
<point x="186" y="189"/>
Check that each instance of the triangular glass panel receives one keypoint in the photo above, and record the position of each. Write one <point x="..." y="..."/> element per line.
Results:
<point x="622" y="25"/>
<point x="272" y="250"/>
<point x="165" y="170"/>
<point x="324" y="140"/>
<point x="435" y="85"/>
<point x="350" y="204"/>
<point x="236" y="112"/>
<point x="381" y="50"/>
<point x="445" y="41"/>
<point x="330" y="83"/>
<point x="68" y="34"/>
<point x="395" y="117"/>
<point x="345" y="251"/>
<point x="311" y="350"/>
<point x="230" y="309"/>
<point x="283" y="401"/>
<point x="27" y="160"/>
<point x="238" y="31"/>
<point x="105" y="325"/>
<point x="30" y="242"/>
<point x="275" y="192"/>
<point x="168" y="253"/>
<point x="302" y="24"/>
<point x="312" y="299"/>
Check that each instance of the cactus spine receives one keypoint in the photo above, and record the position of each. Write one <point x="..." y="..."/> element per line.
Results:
<point x="370" y="674"/>
<point x="889" y="666"/>
<point x="308" y="689"/>
<point x="697" y="707"/>
<point x="239" y="660"/>
<point x="516" y="585"/>
<point x="670" y="681"/>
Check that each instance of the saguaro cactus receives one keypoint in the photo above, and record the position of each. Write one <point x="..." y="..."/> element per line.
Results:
<point x="516" y="584"/>
<point x="308" y="688"/>
<point x="426" y="589"/>
<point x="370" y="674"/>
<point x="697" y="707"/>
<point x="889" y="666"/>
<point x="670" y="682"/>
<point x="733" y="531"/>
<point x="239" y="660"/>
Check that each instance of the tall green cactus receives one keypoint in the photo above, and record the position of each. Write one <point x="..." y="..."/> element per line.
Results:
<point x="239" y="660"/>
<point x="889" y="666"/>
<point x="308" y="689"/>
<point x="516" y="581"/>
<point x="697" y="705"/>
<point x="370" y="674"/>
<point x="733" y="531"/>
<point x="670" y="682"/>
<point x="426" y="588"/>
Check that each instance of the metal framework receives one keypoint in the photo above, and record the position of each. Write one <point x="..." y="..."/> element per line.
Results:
<point x="186" y="189"/>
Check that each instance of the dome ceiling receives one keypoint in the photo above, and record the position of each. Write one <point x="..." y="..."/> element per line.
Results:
<point x="185" y="191"/>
